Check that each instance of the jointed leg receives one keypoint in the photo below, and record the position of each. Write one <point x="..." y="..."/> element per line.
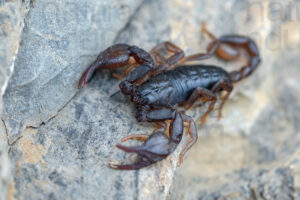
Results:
<point x="192" y="133"/>
<point x="159" y="59"/>
<point x="170" y="47"/>
<point x="160" y="126"/>
<point x="211" y="50"/>
<point x="164" y="64"/>
<point x="140" y="137"/>
<point x="206" y="96"/>
<point x="226" y="86"/>
<point x="127" y="70"/>
<point x="204" y="30"/>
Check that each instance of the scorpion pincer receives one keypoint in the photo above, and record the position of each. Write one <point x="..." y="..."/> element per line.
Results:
<point x="159" y="86"/>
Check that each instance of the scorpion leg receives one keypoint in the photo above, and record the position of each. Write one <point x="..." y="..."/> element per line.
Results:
<point x="169" y="46"/>
<point x="202" y="56"/>
<point x="206" y="95"/>
<point x="125" y="72"/>
<point x="226" y="86"/>
<point x="140" y="137"/>
<point x="164" y="63"/>
<point x="118" y="56"/>
<point x="161" y="126"/>
<point x="178" y="54"/>
<point x="192" y="133"/>
<point x="211" y="49"/>
<point x="158" y="146"/>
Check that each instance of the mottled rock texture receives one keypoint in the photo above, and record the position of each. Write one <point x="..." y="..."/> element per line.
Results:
<point x="60" y="139"/>
<point x="11" y="24"/>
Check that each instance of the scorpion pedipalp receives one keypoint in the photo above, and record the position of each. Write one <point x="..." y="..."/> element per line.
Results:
<point x="154" y="149"/>
<point x="118" y="56"/>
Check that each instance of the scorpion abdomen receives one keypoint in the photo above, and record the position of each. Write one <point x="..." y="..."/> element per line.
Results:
<point x="175" y="86"/>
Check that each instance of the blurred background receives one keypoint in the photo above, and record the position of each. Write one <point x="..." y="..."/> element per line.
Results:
<point x="56" y="140"/>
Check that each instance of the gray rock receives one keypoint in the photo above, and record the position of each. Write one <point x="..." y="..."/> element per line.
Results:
<point x="59" y="40"/>
<point x="61" y="139"/>
<point x="11" y="24"/>
<point x="5" y="174"/>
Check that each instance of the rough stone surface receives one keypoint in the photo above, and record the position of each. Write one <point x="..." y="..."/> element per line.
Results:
<point x="58" y="41"/>
<point x="61" y="139"/>
<point x="11" y="24"/>
<point x="4" y="173"/>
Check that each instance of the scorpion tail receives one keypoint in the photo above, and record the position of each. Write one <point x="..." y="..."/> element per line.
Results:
<point x="243" y="42"/>
<point x="155" y="148"/>
<point x="228" y="47"/>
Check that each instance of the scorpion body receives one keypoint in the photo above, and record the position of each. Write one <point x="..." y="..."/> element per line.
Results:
<point x="176" y="86"/>
<point x="163" y="88"/>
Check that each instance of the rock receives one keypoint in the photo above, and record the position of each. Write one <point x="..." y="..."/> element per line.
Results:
<point x="61" y="139"/>
<point x="4" y="174"/>
<point x="59" y="40"/>
<point x="11" y="24"/>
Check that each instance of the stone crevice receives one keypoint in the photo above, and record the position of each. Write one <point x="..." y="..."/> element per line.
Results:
<point x="6" y="132"/>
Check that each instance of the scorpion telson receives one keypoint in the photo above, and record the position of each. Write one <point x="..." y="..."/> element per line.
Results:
<point x="158" y="86"/>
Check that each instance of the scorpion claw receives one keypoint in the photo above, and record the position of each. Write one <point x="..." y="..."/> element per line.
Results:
<point x="143" y="161"/>
<point x="87" y="75"/>
<point x="154" y="149"/>
<point x="83" y="79"/>
<point x="118" y="56"/>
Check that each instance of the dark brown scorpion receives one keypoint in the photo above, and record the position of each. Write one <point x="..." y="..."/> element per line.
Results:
<point x="158" y="87"/>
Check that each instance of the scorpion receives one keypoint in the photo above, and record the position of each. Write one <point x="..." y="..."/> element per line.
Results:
<point x="163" y="88"/>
